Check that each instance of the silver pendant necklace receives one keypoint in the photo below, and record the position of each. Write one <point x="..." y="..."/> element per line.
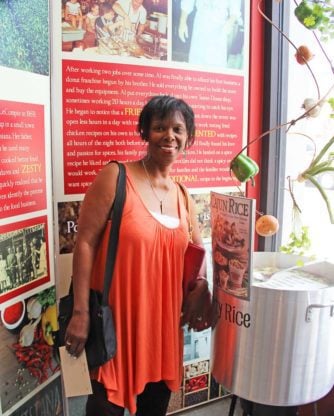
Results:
<point x="161" y="200"/>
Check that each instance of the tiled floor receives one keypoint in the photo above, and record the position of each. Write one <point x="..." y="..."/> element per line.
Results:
<point x="219" y="407"/>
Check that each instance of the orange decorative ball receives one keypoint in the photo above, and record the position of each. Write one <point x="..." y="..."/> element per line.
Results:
<point x="266" y="225"/>
<point x="303" y="55"/>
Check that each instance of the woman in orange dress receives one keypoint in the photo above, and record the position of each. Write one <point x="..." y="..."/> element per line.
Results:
<point x="146" y="292"/>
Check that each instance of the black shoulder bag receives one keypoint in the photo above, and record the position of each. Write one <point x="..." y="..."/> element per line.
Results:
<point x="101" y="343"/>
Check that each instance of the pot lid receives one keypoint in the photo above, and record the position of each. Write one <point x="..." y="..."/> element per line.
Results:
<point x="314" y="276"/>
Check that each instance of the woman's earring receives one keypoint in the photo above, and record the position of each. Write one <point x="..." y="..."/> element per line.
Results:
<point x="184" y="153"/>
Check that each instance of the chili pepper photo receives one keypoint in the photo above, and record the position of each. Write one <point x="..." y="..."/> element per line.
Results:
<point x="196" y="383"/>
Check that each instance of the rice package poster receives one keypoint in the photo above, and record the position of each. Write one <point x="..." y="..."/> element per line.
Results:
<point x="232" y="224"/>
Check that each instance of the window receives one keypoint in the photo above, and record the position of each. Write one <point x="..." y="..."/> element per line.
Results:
<point x="306" y="137"/>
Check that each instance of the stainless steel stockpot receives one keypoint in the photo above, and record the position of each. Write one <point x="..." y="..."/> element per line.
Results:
<point x="278" y="347"/>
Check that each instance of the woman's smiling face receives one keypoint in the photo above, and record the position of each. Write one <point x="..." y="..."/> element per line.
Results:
<point x="167" y="137"/>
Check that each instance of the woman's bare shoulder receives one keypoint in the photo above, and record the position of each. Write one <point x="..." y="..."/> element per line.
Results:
<point x="106" y="177"/>
<point x="102" y="190"/>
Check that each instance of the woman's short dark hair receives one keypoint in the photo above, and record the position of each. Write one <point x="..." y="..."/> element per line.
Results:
<point x="163" y="106"/>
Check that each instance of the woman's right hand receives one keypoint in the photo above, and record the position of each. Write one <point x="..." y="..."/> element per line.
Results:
<point x="77" y="333"/>
<point x="197" y="307"/>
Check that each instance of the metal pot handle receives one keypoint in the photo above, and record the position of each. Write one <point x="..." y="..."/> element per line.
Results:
<point x="319" y="306"/>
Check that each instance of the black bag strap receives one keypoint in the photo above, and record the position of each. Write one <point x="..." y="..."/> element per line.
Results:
<point x="116" y="215"/>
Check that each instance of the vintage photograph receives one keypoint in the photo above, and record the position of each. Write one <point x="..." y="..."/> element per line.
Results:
<point x="23" y="257"/>
<point x="202" y="204"/>
<point x="28" y="357"/>
<point x="127" y="28"/>
<point x="209" y="32"/>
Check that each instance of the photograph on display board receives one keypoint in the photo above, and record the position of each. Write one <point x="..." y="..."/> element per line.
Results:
<point x="127" y="28"/>
<point x="68" y="214"/>
<point x="23" y="257"/>
<point x="196" y="376"/>
<point x="196" y="344"/>
<point x="209" y="32"/>
<point x="28" y="357"/>
<point x="196" y="398"/>
<point x="232" y="223"/>
<point x="196" y="369"/>
<point x="46" y="402"/>
<point x="202" y="204"/>
<point x="24" y="35"/>
<point x="198" y="386"/>
<point x="196" y="383"/>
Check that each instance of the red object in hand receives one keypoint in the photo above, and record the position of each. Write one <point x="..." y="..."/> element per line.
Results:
<point x="193" y="260"/>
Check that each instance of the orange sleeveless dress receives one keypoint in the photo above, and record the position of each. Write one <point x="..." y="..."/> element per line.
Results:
<point x="146" y="298"/>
